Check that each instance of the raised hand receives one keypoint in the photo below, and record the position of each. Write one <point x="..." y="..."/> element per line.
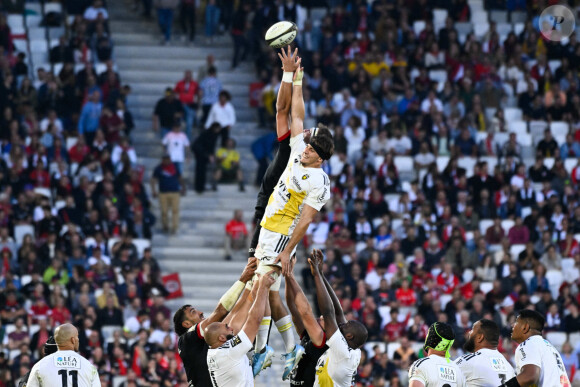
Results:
<point x="249" y="270"/>
<point x="267" y="279"/>
<point x="290" y="61"/>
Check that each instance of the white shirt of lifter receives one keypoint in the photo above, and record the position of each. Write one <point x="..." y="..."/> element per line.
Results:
<point x="228" y="365"/>
<point x="337" y="366"/>
<point x="435" y="371"/>
<point x="485" y="368"/>
<point x="540" y="352"/>
<point x="64" y="369"/>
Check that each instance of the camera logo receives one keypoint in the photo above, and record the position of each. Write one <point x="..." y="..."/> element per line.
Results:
<point x="557" y="22"/>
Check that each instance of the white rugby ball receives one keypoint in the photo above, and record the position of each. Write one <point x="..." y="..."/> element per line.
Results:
<point x="281" y="34"/>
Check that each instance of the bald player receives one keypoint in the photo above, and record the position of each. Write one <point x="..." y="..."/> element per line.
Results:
<point x="65" y="367"/>
<point x="227" y="361"/>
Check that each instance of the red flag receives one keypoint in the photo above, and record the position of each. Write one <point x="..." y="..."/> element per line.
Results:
<point x="255" y="93"/>
<point x="136" y="366"/>
<point x="172" y="285"/>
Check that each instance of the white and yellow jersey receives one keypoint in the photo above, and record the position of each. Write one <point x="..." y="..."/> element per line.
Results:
<point x="337" y="366"/>
<point x="297" y="186"/>
<point x="485" y="368"/>
<point x="63" y="369"/>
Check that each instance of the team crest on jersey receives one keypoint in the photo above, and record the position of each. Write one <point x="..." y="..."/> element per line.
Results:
<point x="447" y="373"/>
<point x="236" y="340"/>
<point x="67" y="362"/>
<point x="304" y="177"/>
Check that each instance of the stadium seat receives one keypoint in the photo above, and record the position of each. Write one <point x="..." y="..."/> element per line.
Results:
<point x="13" y="354"/>
<point x="527" y="275"/>
<point x="377" y="222"/>
<point x="15" y="21"/>
<point x="119" y="381"/>
<point x="439" y="15"/>
<point x="537" y="128"/>
<point x="404" y="164"/>
<point x="480" y="29"/>
<point x="419" y="26"/>
<point x="512" y="114"/>
<point x="518" y="127"/>
<point x="378" y="161"/>
<point x="371" y="344"/>
<point x="524" y="139"/>
<point x="468" y="236"/>
<point x="111" y="242"/>
<point x="463" y="28"/>
<point x="444" y="299"/>
<point x="486" y="287"/>
<point x="577" y="237"/>
<point x="393" y="204"/>
<point x="499" y="16"/>
<point x="405" y="186"/>
<point x="549" y="162"/>
<point x="526" y="211"/>
<point x="20" y="45"/>
<point x="484" y="224"/>
<point x="489" y="113"/>
<point x="34" y="22"/>
<point x="468" y="163"/>
<point x="59" y="204"/>
<point x="25" y="279"/>
<point x="555" y="279"/>
<point x="36" y="33"/>
<point x="569" y="164"/>
<point x="71" y="141"/>
<point x="442" y="162"/>
<point x="38" y="46"/>
<point x="52" y="7"/>
<point x="438" y="76"/>
<point x="392" y="348"/>
<point x="435" y="272"/>
<point x="20" y="232"/>
<point x="468" y="275"/>
<point x="141" y="245"/>
<point x="559" y="128"/>
<point x="560" y="139"/>
<point x="108" y="330"/>
<point x="479" y="17"/>
<point x="519" y="28"/>
<point x="518" y="17"/>
<point x="554" y="65"/>
<point x="557" y="339"/>
<point x="491" y="162"/>
<point x="501" y="138"/>
<point x="515" y="250"/>
<point x="574" y="339"/>
<point x="507" y="224"/>
<point x="385" y="313"/>
<point x="396" y="223"/>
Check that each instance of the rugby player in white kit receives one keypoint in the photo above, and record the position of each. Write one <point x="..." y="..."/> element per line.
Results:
<point x="484" y="366"/>
<point x="538" y="363"/>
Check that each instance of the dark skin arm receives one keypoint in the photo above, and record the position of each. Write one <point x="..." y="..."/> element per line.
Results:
<point x="302" y="306"/>
<point x="338" y="312"/>
<point x="529" y="376"/>
<point x="290" y="301"/>
<point x="324" y="300"/>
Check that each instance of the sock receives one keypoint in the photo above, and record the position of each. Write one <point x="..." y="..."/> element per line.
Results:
<point x="262" y="336"/>
<point x="284" y="326"/>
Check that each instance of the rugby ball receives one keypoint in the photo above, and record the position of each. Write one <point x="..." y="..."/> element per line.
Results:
<point x="281" y="34"/>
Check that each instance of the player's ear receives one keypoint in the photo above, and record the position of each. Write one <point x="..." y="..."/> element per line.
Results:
<point x="186" y="324"/>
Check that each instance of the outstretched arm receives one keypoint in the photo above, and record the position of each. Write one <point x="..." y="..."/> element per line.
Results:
<point x="324" y="301"/>
<point x="285" y="93"/>
<point x="302" y="306"/>
<point x="238" y="315"/>
<point x="230" y="297"/>
<point x="257" y="311"/>
<point x="338" y="312"/>
<point x="297" y="111"/>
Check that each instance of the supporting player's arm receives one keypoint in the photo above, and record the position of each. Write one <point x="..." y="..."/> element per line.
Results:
<point x="298" y="110"/>
<point x="338" y="312"/>
<point x="306" y="217"/>
<point x="324" y="300"/>
<point x="230" y="297"/>
<point x="237" y="316"/>
<point x="257" y="311"/>
<point x="298" y="304"/>
<point x="528" y="377"/>
<point x="416" y="383"/>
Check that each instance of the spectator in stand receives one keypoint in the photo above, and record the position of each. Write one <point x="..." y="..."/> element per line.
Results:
<point x="95" y="11"/>
<point x="165" y="11"/>
<point x="187" y="89"/>
<point x="236" y="235"/>
<point x="212" y="17"/>
<point x="547" y="147"/>
<point x="90" y="117"/>
<point x="187" y="19"/>
<point x="223" y="113"/>
<point x="167" y="110"/>
<point x="204" y="148"/>
<point x="170" y="187"/>
<point x="176" y="143"/>
<point x="229" y="169"/>
<point x="210" y="88"/>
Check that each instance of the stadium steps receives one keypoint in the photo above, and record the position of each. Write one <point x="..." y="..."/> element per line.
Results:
<point x="196" y="251"/>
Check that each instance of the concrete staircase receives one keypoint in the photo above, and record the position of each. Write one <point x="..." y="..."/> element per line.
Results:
<point x="196" y="252"/>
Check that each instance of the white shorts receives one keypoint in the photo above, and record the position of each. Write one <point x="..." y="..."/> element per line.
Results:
<point x="270" y="244"/>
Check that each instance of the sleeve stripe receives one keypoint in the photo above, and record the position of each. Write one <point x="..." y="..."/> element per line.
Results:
<point x="284" y="136"/>
<point x="323" y="343"/>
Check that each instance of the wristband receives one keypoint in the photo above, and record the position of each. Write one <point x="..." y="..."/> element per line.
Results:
<point x="287" y="76"/>
<point x="513" y="382"/>
<point x="229" y="299"/>
<point x="298" y="80"/>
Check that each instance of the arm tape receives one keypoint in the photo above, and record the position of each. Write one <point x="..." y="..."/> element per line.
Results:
<point x="513" y="382"/>
<point x="287" y="76"/>
<point x="230" y="297"/>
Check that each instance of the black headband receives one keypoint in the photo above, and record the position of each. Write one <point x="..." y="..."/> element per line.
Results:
<point x="323" y="155"/>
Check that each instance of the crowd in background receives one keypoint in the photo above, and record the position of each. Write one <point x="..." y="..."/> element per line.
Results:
<point x="75" y="217"/>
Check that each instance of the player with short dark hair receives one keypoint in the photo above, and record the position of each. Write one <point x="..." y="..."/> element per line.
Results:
<point x="484" y="366"/>
<point x="47" y="349"/>
<point x="189" y="323"/>
<point x="436" y="370"/>
<point x="538" y="363"/>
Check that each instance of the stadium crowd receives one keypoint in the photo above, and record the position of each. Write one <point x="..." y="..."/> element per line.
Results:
<point x="75" y="219"/>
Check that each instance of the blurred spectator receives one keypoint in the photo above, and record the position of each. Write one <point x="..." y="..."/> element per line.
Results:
<point x="171" y="186"/>
<point x="236" y="235"/>
<point x="229" y="169"/>
<point x="165" y="12"/>
<point x="210" y="89"/>
<point x="167" y="111"/>
<point x="187" y="89"/>
<point x="204" y="148"/>
<point x="187" y="19"/>
<point x="223" y="113"/>
<point x="176" y="144"/>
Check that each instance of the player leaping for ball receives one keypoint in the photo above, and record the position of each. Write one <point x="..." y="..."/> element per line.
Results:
<point x="301" y="192"/>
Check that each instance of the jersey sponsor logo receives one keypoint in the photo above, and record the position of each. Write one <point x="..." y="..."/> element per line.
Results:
<point x="304" y="177"/>
<point x="296" y="183"/>
<point x="67" y="362"/>
<point x="447" y="373"/>
<point x="321" y="198"/>
<point x="497" y="364"/>
<point x="236" y="340"/>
